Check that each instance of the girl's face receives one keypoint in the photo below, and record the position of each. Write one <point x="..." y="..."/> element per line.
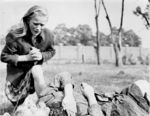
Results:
<point x="36" y="24"/>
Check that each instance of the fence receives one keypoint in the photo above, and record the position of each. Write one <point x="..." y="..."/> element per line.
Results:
<point x="81" y="53"/>
<point x="88" y="53"/>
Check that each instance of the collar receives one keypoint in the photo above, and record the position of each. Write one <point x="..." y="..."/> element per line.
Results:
<point x="42" y="34"/>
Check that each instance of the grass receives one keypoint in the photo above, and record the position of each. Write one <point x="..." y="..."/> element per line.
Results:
<point x="104" y="78"/>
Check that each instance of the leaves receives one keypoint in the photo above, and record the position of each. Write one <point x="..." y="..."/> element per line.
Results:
<point x="144" y="14"/>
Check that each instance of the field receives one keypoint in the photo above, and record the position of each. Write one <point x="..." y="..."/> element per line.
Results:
<point x="104" y="78"/>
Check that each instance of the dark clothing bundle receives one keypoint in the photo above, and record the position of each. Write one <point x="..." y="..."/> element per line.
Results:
<point x="130" y="102"/>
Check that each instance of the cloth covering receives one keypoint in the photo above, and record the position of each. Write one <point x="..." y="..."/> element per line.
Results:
<point x="129" y="102"/>
<point x="18" y="94"/>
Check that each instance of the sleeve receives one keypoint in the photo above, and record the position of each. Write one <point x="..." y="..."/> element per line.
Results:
<point x="61" y="79"/>
<point x="9" y="52"/>
<point x="95" y="110"/>
<point x="50" y="51"/>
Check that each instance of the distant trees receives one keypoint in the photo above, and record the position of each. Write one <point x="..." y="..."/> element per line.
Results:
<point x="61" y="34"/>
<point x="72" y="36"/>
<point x="83" y="34"/>
<point x="130" y="38"/>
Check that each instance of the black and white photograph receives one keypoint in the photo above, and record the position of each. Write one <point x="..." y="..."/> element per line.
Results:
<point x="74" y="57"/>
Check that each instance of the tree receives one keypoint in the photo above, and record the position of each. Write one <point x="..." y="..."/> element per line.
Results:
<point x="116" y="42"/>
<point x="72" y="36"/>
<point x="97" y="10"/>
<point x="104" y="40"/>
<point x="118" y="45"/>
<point x="72" y="40"/>
<point x="60" y="34"/>
<point x="130" y="38"/>
<point x="144" y="14"/>
<point x="84" y="34"/>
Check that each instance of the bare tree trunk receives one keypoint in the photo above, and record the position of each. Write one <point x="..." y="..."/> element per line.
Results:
<point x="97" y="41"/>
<point x="116" y="45"/>
<point x="149" y="11"/>
<point x="119" y="43"/>
<point x="97" y="10"/>
<point x="111" y="31"/>
<point x="118" y="51"/>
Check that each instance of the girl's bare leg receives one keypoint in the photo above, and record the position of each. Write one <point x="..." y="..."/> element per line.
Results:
<point x="39" y="82"/>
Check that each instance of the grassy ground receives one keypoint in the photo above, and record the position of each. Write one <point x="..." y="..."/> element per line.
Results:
<point x="104" y="78"/>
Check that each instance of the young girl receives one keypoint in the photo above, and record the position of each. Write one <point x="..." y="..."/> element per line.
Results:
<point x="26" y="49"/>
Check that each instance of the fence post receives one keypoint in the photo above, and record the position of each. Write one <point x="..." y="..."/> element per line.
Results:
<point x="79" y="51"/>
<point x="140" y="51"/>
<point x="126" y="50"/>
<point x="111" y="51"/>
<point x="60" y="50"/>
<point x="126" y="54"/>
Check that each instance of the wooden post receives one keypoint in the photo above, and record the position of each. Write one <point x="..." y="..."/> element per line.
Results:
<point x="126" y="50"/>
<point x="79" y="51"/>
<point x="60" y="50"/>
<point x="126" y="54"/>
<point x="140" y="51"/>
<point x="111" y="51"/>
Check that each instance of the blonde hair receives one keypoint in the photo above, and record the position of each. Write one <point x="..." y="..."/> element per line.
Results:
<point x="32" y="12"/>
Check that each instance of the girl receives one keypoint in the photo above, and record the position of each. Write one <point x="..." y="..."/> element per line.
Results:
<point x="26" y="49"/>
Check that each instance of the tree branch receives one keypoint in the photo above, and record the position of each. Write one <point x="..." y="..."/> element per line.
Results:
<point x="107" y="16"/>
<point x="122" y="12"/>
<point x="99" y="6"/>
<point x="95" y="8"/>
<point x="146" y="19"/>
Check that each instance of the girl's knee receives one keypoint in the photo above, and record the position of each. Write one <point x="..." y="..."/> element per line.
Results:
<point x="36" y="69"/>
<point x="37" y="72"/>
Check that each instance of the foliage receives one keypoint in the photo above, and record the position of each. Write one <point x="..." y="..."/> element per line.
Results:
<point x="128" y="37"/>
<point x="60" y="34"/>
<point x="104" y="40"/>
<point x="72" y="36"/>
<point x="144" y="14"/>
<point x="83" y="34"/>
<point x="131" y="39"/>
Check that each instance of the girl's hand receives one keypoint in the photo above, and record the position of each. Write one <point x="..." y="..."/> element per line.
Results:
<point x="36" y="54"/>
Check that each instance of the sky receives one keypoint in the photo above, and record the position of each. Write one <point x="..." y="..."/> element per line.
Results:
<point x="75" y="12"/>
